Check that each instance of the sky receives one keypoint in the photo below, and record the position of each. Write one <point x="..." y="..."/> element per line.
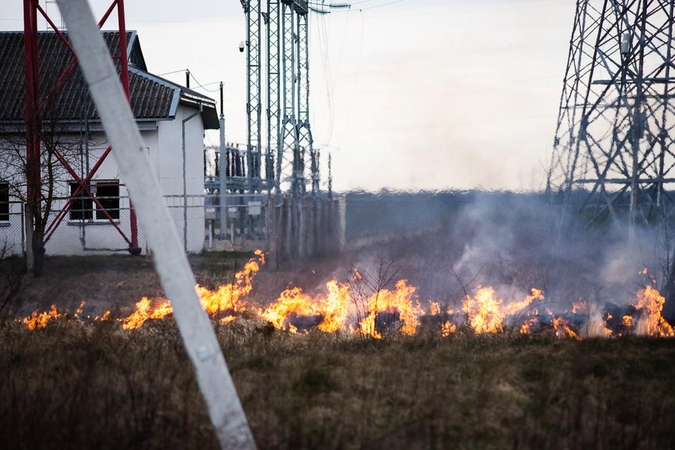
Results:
<point x="405" y="95"/>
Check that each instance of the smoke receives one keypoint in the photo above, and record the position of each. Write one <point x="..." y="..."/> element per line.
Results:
<point x="512" y="242"/>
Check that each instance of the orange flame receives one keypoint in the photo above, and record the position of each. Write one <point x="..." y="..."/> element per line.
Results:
<point x="650" y="302"/>
<point x="516" y="307"/>
<point x="40" y="320"/>
<point x="226" y="299"/>
<point x="290" y="301"/>
<point x="336" y="307"/>
<point x="562" y="328"/>
<point x="579" y="306"/>
<point x="448" y="328"/>
<point x="144" y="312"/>
<point x="400" y="301"/>
<point x="484" y="311"/>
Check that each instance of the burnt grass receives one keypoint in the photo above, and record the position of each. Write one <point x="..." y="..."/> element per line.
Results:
<point x="74" y="385"/>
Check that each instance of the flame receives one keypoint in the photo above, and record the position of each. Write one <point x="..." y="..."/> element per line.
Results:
<point x="397" y="301"/>
<point x="562" y="328"/>
<point x="226" y="299"/>
<point x="579" y="306"/>
<point x="336" y="307"/>
<point x="516" y="307"/>
<point x="448" y="328"/>
<point x="261" y="255"/>
<point x="290" y="301"/>
<point x="40" y="320"/>
<point x="650" y="302"/>
<point x="144" y="312"/>
<point x="396" y="309"/>
<point x="484" y="311"/>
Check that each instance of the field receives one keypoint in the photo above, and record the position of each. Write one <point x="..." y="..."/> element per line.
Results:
<point x="485" y="365"/>
<point x="71" y="385"/>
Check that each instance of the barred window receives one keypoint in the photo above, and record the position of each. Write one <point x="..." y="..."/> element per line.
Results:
<point x="107" y="192"/>
<point x="108" y="195"/>
<point x="4" y="201"/>
<point x="82" y="206"/>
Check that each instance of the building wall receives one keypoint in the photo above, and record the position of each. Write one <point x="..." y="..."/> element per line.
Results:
<point x="163" y="145"/>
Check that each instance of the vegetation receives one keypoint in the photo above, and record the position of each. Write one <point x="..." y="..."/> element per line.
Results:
<point x="72" y="385"/>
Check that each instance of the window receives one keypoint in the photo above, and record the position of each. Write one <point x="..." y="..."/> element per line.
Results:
<point x="107" y="192"/>
<point x="81" y="208"/>
<point x="108" y="195"/>
<point x="4" y="202"/>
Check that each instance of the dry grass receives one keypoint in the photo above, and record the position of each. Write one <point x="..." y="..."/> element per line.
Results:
<point x="72" y="385"/>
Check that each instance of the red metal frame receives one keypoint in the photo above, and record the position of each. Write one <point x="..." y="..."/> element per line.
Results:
<point x="35" y="107"/>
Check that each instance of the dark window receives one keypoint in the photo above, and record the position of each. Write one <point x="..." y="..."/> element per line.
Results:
<point x="81" y="208"/>
<point x="108" y="195"/>
<point x="4" y="202"/>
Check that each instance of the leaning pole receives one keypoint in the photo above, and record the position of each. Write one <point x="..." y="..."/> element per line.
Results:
<point x="170" y="260"/>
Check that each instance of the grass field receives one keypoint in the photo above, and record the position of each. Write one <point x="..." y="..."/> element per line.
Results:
<point x="90" y="384"/>
<point x="73" y="385"/>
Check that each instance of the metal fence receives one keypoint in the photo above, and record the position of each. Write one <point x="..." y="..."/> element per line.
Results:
<point x="12" y="230"/>
<point x="81" y="230"/>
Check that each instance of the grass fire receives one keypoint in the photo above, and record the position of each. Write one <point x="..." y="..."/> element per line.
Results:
<point x="343" y="308"/>
<point x="479" y="336"/>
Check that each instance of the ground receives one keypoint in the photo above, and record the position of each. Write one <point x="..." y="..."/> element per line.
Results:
<point x="78" y="384"/>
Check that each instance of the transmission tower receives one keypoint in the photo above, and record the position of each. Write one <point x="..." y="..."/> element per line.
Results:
<point x="613" y="153"/>
<point x="290" y="149"/>
<point x="253" y="92"/>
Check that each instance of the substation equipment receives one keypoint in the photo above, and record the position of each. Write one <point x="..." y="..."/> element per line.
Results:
<point x="279" y="155"/>
<point x="613" y="150"/>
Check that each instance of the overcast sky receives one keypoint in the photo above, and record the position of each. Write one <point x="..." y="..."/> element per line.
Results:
<point x="414" y="94"/>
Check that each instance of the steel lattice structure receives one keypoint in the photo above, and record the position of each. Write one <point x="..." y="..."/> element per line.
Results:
<point x="35" y="106"/>
<point x="289" y="142"/>
<point x="253" y="94"/>
<point x="613" y="150"/>
<point x="273" y="22"/>
<point x="289" y="137"/>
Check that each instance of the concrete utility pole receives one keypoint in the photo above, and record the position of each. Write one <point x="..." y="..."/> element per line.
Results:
<point x="170" y="260"/>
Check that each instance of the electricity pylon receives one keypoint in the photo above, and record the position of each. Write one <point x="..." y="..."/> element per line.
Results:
<point x="613" y="149"/>
<point x="290" y="148"/>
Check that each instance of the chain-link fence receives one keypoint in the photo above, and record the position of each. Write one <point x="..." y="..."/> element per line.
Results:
<point x="105" y="225"/>
<point x="12" y="230"/>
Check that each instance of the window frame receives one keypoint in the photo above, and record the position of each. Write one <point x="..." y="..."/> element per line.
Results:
<point x="90" y="212"/>
<point x="5" y="204"/>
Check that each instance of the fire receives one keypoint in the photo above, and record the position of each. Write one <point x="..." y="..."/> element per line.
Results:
<point x="227" y="299"/>
<point x="336" y="308"/>
<point x="291" y="301"/>
<point x="143" y="312"/>
<point x="516" y="307"/>
<point x="448" y="328"/>
<point x="397" y="304"/>
<point x="40" y="320"/>
<point x="650" y="302"/>
<point x="396" y="310"/>
<point x="487" y="313"/>
<point x="484" y="311"/>
<point x="562" y="328"/>
<point x="579" y="306"/>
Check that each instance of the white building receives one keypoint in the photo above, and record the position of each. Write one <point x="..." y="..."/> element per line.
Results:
<point x="171" y="118"/>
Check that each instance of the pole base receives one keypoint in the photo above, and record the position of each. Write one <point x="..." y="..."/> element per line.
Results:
<point x="135" y="251"/>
